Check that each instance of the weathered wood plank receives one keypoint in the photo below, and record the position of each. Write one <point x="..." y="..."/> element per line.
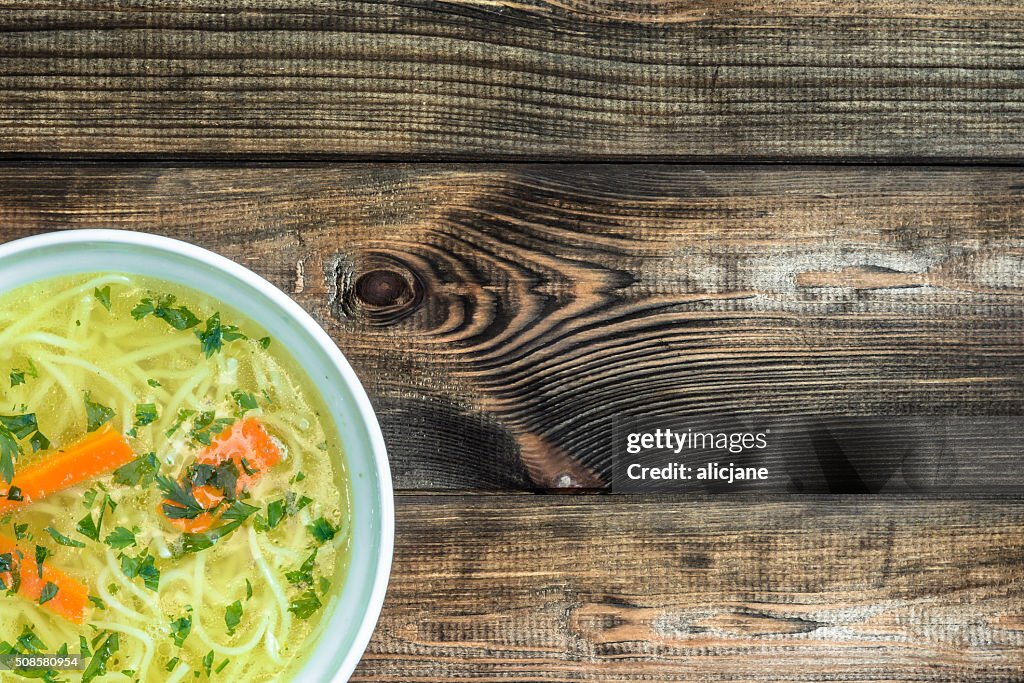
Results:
<point x="471" y="79"/>
<point x="598" y="588"/>
<point x="501" y="316"/>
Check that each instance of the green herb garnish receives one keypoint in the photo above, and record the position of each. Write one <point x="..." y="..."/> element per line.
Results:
<point x="213" y="337"/>
<point x="98" y="663"/>
<point x="208" y="662"/>
<point x="304" y="574"/>
<point x="321" y="530"/>
<point x="305" y="605"/>
<point x="141" y="566"/>
<point x="142" y="470"/>
<point x="206" y="426"/>
<point x="121" y="537"/>
<point x="28" y="640"/>
<point x="41" y="554"/>
<point x="62" y="539"/>
<point x="233" y="616"/>
<point x="181" y="627"/>
<point x="181" y="501"/>
<point x="89" y="527"/>
<point x="276" y="512"/>
<point x="103" y="296"/>
<point x="14" y="428"/>
<point x="179" y="318"/>
<point x="235" y="514"/>
<point x="245" y="401"/>
<point x="96" y="414"/>
<point x="145" y="413"/>
<point x="48" y="593"/>
<point x="183" y="415"/>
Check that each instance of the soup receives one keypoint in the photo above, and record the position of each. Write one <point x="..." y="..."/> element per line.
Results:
<point x="173" y="496"/>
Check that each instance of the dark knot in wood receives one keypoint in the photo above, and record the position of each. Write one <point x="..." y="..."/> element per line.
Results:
<point x="383" y="288"/>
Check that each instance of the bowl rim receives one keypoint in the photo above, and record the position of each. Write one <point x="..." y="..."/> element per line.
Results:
<point x="366" y="413"/>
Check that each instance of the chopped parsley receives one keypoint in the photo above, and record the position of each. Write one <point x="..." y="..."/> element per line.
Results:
<point x="223" y="477"/>
<point x="303" y="576"/>
<point x="89" y="527"/>
<point x="321" y="530"/>
<point x="233" y="616"/>
<point x="96" y="414"/>
<point x="276" y="512"/>
<point x="98" y="663"/>
<point x="181" y="502"/>
<point x="29" y="641"/>
<point x="172" y="663"/>
<point x="248" y="590"/>
<point x="121" y="537"/>
<point x="140" y="471"/>
<point x="41" y="554"/>
<point x="48" y="593"/>
<point x="153" y="383"/>
<point x="180" y="318"/>
<point x="143" y="567"/>
<point x="244" y="400"/>
<point x="62" y="539"/>
<point x="145" y="414"/>
<point x="99" y="604"/>
<point x="18" y="375"/>
<point x="305" y="604"/>
<point x="208" y="662"/>
<point x="213" y="337"/>
<point x="15" y="428"/>
<point x="264" y="343"/>
<point x="235" y="514"/>
<point x="206" y="426"/>
<point x="223" y="665"/>
<point x="183" y="415"/>
<point x="181" y="627"/>
<point x="103" y="296"/>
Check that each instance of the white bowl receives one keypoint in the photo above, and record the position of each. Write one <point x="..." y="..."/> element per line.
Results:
<point x="354" y="614"/>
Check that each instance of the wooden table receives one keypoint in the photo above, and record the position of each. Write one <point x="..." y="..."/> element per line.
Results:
<point x="797" y="206"/>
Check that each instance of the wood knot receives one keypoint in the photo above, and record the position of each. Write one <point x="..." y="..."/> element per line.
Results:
<point x="383" y="290"/>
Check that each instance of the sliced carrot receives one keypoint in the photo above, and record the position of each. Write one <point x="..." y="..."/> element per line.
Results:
<point x="246" y="439"/>
<point x="72" y="598"/>
<point x="100" y="452"/>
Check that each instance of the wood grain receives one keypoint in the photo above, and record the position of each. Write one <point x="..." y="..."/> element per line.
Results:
<point x="502" y="316"/>
<point x="475" y="79"/>
<point x="611" y="588"/>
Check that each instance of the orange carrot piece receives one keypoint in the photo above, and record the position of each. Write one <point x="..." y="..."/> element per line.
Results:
<point x="98" y="453"/>
<point x="247" y="439"/>
<point x="72" y="598"/>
